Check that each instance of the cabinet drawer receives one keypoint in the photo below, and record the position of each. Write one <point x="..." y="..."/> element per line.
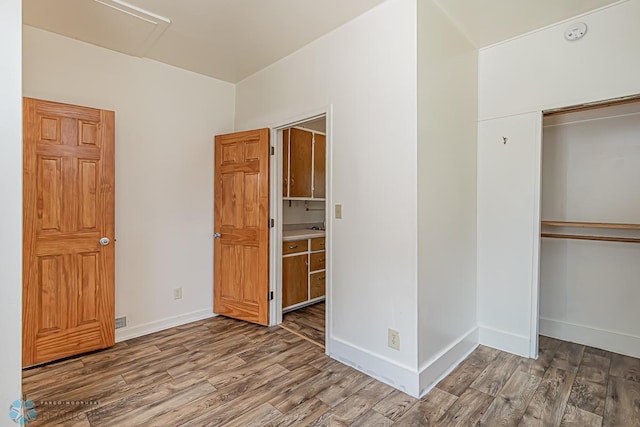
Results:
<point x="294" y="246"/>
<point x="317" y="284"/>
<point x="316" y="261"/>
<point x="317" y="244"/>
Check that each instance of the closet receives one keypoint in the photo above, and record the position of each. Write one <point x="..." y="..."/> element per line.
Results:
<point x="590" y="230"/>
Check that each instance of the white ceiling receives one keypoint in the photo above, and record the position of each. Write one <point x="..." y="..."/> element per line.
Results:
<point x="232" y="39"/>
<point x="226" y="39"/>
<point x="486" y="22"/>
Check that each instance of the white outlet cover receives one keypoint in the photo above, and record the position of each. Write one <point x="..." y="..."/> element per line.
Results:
<point x="575" y="31"/>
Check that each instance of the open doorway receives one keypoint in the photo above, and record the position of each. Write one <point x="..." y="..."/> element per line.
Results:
<point x="590" y="231"/>
<point x="300" y="249"/>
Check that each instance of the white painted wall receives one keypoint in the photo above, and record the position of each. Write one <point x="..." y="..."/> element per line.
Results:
<point x="541" y="70"/>
<point x="591" y="172"/>
<point x="165" y="122"/>
<point x="528" y="74"/>
<point x="507" y="234"/>
<point x="11" y="211"/>
<point x="447" y="133"/>
<point x="367" y="70"/>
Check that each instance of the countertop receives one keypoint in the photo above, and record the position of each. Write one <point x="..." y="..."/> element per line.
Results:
<point x="304" y="233"/>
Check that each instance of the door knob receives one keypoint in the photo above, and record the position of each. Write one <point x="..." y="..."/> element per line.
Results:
<point x="217" y="235"/>
<point x="105" y="241"/>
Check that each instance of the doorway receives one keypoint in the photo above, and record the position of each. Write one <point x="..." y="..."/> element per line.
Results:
<point x="300" y="250"/>
<point x="590" y="228"/>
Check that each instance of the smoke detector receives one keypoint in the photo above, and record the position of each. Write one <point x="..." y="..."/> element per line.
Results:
<point x="575" y="31"/>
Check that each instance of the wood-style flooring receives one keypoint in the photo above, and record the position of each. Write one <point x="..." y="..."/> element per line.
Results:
<point x="307" y="322"/>
<point x="222" y="372"/>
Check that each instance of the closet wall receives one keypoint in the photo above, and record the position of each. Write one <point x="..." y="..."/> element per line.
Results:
<point x="589" y="290"/>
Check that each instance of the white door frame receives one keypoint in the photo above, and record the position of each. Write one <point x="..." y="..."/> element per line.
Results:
<point x="275" y="208"/>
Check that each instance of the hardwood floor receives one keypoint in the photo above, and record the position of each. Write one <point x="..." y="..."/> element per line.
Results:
<point x="308" y="322"/>
<point x="222" y="372"/>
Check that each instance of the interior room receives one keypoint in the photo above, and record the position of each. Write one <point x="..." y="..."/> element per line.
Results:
<point x="379" y="212"/>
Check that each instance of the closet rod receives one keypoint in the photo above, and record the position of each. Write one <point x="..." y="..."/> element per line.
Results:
<point x="597" y="238"/>
<point x="592" y="225"/>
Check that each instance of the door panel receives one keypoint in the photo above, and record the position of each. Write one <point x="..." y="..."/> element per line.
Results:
<point x="300" y="163"/>
<point x="319" y="165"/>
<point x="241" y="253"/>
<point x="68" y="277"/>
<point x="285" y="163"/>
<point x="295" y="276"/>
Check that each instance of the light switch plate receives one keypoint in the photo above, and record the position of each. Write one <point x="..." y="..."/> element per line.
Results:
<point x="338" y="211"/>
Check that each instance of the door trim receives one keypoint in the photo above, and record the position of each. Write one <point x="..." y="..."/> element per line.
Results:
<point x="275" y="250"/>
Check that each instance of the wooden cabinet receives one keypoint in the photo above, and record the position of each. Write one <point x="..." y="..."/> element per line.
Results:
<point x="294" y="280"/>
<point x="303" y="272"/>
<point x="304" y="164"/>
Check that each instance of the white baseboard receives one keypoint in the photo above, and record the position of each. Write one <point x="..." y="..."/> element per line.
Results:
<point x="162" y="324"/>
<point x="505" y="341"/>
<point x="434" y="370"/>
<point x="600" y="338"/>
<point x="390" y="372"/>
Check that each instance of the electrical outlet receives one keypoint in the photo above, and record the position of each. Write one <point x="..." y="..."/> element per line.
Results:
<point x="121" y="322"/>
<point x="177" y="293"/>
<point x="394" y="339"/>
<point x="338" y="211"/>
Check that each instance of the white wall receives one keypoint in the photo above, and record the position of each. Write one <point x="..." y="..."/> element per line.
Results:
<point x="591" y="172"/>
<point x="165" y="122"/>
<point x="11" y="196"/>
<point x="447" y="117"/>
<point x="366" y="69"/>
<point x="528" y="74"/>
<point x="542" y="70"/>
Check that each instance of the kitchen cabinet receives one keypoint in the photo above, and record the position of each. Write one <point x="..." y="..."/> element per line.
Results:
<point x="303" y="272"/>
<point x="304" y="164"/>
<point x="295" y="273"/>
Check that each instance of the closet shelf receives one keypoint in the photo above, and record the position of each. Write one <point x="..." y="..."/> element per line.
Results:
<point x="592" y="225"/>
<point x="585" y="237"/>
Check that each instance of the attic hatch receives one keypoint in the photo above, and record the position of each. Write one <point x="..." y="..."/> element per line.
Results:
<point x="112" y="24"/>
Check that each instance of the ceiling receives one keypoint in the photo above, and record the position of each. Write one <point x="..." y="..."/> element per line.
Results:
<point x="486" y="22"/>
<point x="232" y="39"/>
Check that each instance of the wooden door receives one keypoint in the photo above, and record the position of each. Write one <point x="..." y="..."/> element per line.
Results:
<point x="68" y="275"/>
<point x="319" y="165"/>
<point x="300" y="149"/>
<point x="285" y="163"/>
<point x="295" y="274"/>
<point x="241" y="223"/>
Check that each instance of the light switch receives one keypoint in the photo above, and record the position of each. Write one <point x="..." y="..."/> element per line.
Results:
<point x="338" y="211"/>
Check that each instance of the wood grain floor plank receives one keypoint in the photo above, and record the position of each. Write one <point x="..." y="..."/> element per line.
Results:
<point x="625" y="367"/>
<point x="360" y="402"/>
<point x="588" y="396"/>
<point x="568" y="356"/>
<point x="548" y="403"/>
<point x="623" y="403"/>
<point x="258" y="417"/>
<point x="496" y="374"/>
<point x="394" y="405"/>
<point x="303" y="414"/>
<point x="547" y="348"/>
<point x="512" y="401"/>
<point x="428" y="410"/>
<point x="372" y="418"/>
<point x="467" y="409"/>
<point x="343" y="388"/>
<point x="576" y="417"/>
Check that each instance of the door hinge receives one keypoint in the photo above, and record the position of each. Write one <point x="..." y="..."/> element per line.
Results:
<point x="273" y="150"/>
<point x="270" y="296"/>
<point x="271" y="223"/>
